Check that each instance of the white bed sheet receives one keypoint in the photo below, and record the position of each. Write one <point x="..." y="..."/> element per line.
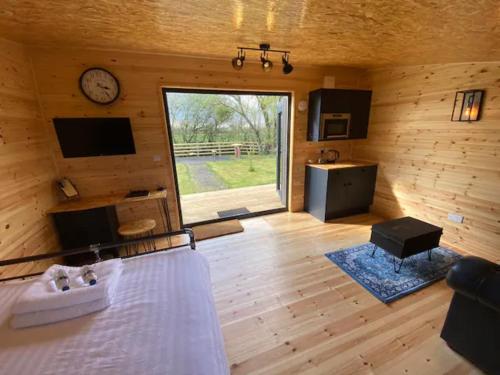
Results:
<point x="162" y="321"/>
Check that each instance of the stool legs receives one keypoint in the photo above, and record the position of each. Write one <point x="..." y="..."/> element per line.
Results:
<point x="152" y="242"/>
<point x="137" y="245"/>
<point x="374" y="249"/>
<point x="128" y="248"/>
<point x="137" y="230"/>
<point x="147" y="245"/>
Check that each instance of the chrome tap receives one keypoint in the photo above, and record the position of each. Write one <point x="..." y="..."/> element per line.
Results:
<point x="321" y="159"/>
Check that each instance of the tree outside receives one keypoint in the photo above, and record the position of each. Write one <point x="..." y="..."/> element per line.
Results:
<point x="198" y="118"/>
<point x="245" y="126"/>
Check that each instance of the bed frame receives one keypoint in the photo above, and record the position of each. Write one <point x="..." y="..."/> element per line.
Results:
<point x="96" y="249"/>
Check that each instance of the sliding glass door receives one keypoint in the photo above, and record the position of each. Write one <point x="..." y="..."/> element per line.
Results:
<point x="230" y="152"/>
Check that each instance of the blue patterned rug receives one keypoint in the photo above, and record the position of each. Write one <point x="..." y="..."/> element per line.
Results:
<point x="377" y="274"/>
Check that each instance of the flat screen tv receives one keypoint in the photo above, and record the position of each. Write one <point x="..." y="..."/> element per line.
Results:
<point x="82" y="137"/>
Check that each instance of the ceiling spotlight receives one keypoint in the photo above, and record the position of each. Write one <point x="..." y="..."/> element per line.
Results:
<point x="267" y="64"/>
<point x="287" y="67"/>
<point x="238" y="61"/>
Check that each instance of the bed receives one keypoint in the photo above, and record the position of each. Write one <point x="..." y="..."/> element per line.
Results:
<point x="162" y="321"/>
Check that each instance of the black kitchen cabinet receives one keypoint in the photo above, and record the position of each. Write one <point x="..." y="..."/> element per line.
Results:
<point x="87" y="227"/>
<point x="333" y="191"/>
<point x="354" y="102"/>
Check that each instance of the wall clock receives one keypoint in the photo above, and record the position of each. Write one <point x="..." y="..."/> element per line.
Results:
<point x="99" y="86"/>
<point x="302" y="106"/>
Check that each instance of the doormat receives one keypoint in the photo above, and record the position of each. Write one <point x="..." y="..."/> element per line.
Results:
<point x="233" y="212"/>
<point x="206" y="231"/>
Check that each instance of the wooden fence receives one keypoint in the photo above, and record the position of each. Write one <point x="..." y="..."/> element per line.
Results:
<point x="215" y="148"/>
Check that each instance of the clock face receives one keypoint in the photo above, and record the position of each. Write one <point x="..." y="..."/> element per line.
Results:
<point x="99" y="86"/>
<point x="302" y="106"/>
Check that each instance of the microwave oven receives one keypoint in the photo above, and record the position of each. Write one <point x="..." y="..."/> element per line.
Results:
<point x="335" y="125"/>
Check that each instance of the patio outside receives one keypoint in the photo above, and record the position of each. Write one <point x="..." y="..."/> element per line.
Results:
<point x="225" y="153"/>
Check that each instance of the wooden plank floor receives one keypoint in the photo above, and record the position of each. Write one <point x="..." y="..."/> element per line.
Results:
<point x="286" y="309"/>
<point x="204" y="206"/>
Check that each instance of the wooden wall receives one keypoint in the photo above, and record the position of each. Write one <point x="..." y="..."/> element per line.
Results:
<point x="141" y="77"/>
<point x="430" y="166"/>
<point x="27" y="171"/>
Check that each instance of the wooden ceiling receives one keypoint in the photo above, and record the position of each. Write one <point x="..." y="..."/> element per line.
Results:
<point x="368" y="33"/>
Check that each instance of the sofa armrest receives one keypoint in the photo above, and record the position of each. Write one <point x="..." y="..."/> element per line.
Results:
<point x="478" y="279"/>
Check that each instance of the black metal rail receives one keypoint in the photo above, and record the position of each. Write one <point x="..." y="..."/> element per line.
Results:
<point x="97" y="248"/>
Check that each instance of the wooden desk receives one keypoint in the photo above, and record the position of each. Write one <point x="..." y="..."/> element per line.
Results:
<point x="88" y="203"/>
<point x="88" y="220"/>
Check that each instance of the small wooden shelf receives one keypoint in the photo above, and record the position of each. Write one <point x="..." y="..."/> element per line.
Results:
<point x="87" y="203"/>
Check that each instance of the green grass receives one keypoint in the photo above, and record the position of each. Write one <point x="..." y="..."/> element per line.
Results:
<point x="245" y="171"/>
<point x="187" y="185"/>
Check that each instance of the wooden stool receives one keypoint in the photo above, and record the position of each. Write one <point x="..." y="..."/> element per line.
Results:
<point x="138" y="229"/>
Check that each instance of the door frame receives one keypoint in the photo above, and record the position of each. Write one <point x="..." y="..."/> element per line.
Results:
<point x="165" y="90"/>
<point x="282" y="174"/>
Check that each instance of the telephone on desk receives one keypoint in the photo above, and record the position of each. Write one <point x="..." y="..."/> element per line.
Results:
<point x="68" y="189"/>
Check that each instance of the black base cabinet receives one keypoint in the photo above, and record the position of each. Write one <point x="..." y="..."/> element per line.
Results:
<point x="338" y="192"/>
<point x="83" y="228"/>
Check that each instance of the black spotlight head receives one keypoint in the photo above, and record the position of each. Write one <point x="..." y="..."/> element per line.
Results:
<point x="237" y="62"/>
<point x="267" y="64"/>
<point x="287" y="67"/>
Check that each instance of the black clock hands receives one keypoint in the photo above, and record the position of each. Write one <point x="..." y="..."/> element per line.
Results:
<point x="102" y="87"/>
<point x="99" y="86"/>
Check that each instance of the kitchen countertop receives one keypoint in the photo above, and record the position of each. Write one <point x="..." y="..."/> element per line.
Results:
<point x="342" y="164"/>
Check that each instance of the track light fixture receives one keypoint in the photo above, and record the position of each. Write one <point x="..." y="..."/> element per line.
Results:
<point x="267" y="64"/>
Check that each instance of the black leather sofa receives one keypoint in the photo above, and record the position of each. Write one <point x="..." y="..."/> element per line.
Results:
<point x="472" y="326"/>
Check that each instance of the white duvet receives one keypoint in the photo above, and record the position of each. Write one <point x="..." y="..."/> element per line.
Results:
<point x="162" y="321"/>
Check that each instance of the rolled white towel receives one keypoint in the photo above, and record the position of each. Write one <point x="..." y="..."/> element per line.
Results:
<point x="41" y="296"/>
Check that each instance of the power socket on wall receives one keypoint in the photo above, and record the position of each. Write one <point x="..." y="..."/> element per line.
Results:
<point x="456" y="218"/>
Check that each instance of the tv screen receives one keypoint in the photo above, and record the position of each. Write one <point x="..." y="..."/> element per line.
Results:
<point x="81" y="137"/>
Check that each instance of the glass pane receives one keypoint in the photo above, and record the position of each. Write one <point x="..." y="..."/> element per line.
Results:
<point x="457" y="109"/>
<point x="226" y="149"/>
<point x="467" y="106"/>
